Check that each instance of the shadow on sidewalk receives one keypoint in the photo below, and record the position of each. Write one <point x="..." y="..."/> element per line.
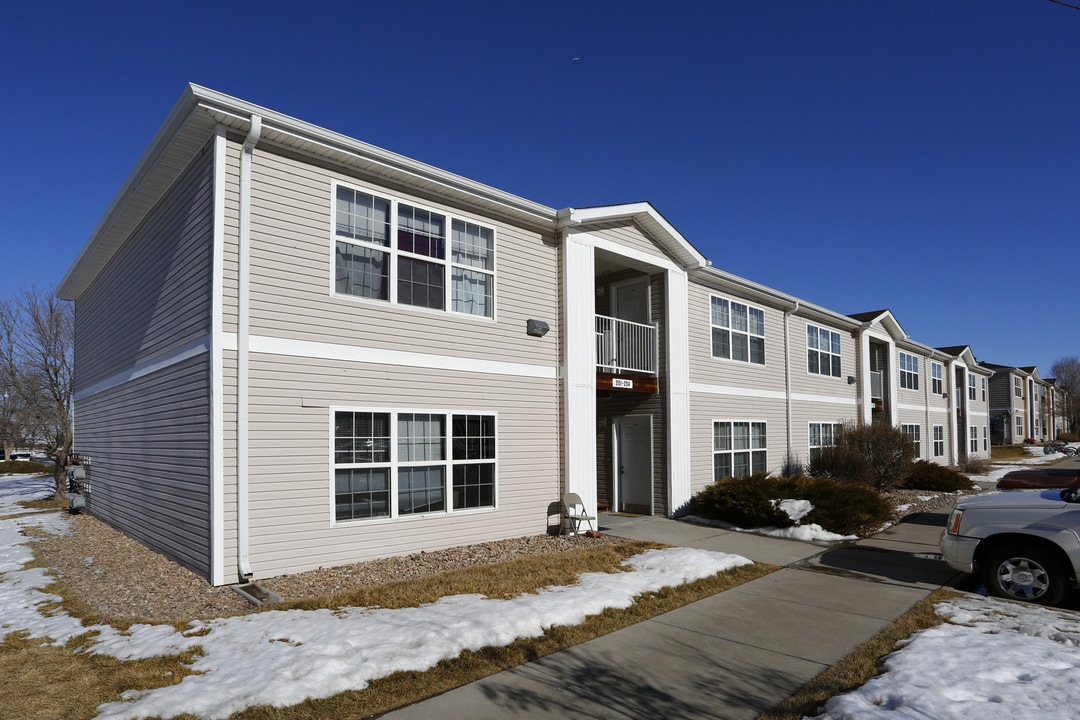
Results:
<point x="610" y="685"/>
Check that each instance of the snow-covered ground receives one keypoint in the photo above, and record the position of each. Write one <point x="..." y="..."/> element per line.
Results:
<point x="992" y="659"/>
<point x="282" y="657"/>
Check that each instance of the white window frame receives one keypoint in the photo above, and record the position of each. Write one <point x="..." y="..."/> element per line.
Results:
<point x="983" y="389"/>
<point x="824" y="433"/>
<point x="939" y="440"/>
<point x="1018" y="387"/>
<point x="395" y="255"/>
<point x="909" y="371"/>
<point x="757" y="456"/>
<point x="732" y="330"/>
<point x="1019" y="428"/>
<point x="394" y="465"/>
<point x="971" y="387"/>
<point x="913" y="431"/>
<point x="973" y="438"/>
<point x="937" y="374"/>
<point x="986" y="439"/>
<point x="824" y="359"/>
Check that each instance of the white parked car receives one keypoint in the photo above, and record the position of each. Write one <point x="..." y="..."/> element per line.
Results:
<point x="1025" y="544"/>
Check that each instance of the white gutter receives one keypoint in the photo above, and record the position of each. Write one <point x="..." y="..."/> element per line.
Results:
<point x="243" y="332"/>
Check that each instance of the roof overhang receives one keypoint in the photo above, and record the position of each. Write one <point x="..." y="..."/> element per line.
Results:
<point x="192" y="122"/>
<point x="646" y="217"/>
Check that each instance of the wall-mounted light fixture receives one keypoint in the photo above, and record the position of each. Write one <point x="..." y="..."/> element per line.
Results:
<point x="850" y="379"/>
<point x="536" y="328"/>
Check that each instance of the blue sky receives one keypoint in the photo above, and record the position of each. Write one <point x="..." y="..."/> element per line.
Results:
<point x="921" y="155"/>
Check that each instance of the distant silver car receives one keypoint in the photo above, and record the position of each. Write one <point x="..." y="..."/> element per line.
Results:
<point x="1026" y="544"/>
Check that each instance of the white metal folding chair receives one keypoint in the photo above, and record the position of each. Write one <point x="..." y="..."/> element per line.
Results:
<point x="576" y="513"/>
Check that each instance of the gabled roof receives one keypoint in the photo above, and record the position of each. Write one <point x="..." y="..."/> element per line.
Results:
<point x="885" y="318"/>
<point x="646" y="217"/>
<point x="190" y="125"/>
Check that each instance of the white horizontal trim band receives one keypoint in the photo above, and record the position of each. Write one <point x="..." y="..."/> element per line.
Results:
<point x="196" y="347"/>
<point x="353" y="353"/>
<point x="769" y="394"/>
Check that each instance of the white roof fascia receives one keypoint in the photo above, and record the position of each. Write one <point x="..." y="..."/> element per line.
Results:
<point x="190" y="123"/>
<point x="647" y="217"/>
<point x="767" y="294"/>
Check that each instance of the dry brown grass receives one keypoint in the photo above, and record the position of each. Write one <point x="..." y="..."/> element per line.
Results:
<point x="1008" y="453"/>
<point x="28" y="668"/>
<point x="39" y="681"/>
<point x="861" y="665"/>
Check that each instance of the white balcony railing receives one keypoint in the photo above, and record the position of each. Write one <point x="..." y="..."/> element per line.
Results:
<point x="622" y="345"/>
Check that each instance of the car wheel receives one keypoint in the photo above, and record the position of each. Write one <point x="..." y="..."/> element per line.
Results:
<point x="1025" y="573"/>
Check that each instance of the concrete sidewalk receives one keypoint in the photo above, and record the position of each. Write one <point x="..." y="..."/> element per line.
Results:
<point x="733" y="655"/>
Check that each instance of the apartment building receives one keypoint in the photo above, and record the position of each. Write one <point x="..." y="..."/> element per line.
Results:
<point x="295" y="350"/>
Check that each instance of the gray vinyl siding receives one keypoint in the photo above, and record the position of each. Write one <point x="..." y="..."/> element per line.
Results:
<point x="150" y="472"/>
<point x="291" y="472"/>
<point x="154" y="295"/>
<point x="292" y="266"/>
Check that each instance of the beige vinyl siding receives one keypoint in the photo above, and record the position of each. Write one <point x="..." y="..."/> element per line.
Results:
<point x="804" y="413"/>
<point x="704" y="368"/>
<point x="706" y="408"/>
<point x="627" y="234"/>
<point x="150" y="471"/>
<point x="292" y="268"/>
<point x="154" y="294"/>
<point x="231" y="215"/>
<point x="805" y="382"/>
<point x="229" y="455"/>
<point x="291" y="472"/>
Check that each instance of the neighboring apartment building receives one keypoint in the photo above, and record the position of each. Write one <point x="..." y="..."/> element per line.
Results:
<point x="1024" y="406"/>
<point x="295" y="350"/>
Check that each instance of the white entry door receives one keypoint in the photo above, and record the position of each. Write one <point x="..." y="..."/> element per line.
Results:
<point x="633" y="464"/>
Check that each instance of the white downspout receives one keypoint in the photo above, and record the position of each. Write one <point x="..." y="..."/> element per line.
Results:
<point x="243" y="564"/>
<point x="787" y="372"/>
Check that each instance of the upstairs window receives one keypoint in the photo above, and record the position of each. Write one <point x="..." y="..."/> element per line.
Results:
<point x="983" y="389"/>
<point x="1018" y="388"/>
<point x="822" y="351"/>
<point x="971" y="388"/>
<point x="738" y="331"/>
<point x="909" y="371"/>
<point x="936" y="384"/>
<point x="389" y="250"/>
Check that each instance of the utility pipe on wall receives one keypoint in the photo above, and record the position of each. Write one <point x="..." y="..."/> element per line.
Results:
<point x="243" y="565"/>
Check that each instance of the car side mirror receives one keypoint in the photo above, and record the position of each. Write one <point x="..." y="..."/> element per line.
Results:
<point x="1070" y="495"/>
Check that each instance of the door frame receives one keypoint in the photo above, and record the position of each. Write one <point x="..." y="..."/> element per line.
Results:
<point x="616" y="460"/>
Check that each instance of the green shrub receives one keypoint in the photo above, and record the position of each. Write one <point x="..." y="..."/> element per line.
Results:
<point x="844" y="508"/>
<point x="889" y="451"/>
<point x="745" y="502"/>
<point x="844" y="465"/>
<point x="749" y="502"/>
<point x="936" y="478"/>
<point x="22" y="467"/>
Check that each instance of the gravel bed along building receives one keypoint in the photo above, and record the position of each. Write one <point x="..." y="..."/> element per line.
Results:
<point x="119" y="578"/>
